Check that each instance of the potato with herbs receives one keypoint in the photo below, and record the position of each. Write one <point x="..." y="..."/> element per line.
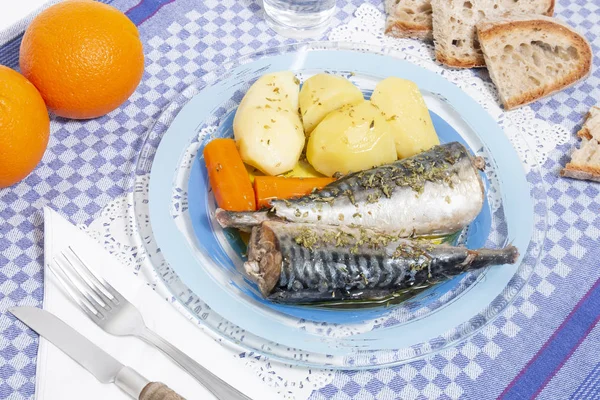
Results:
<point x="404" y="108"/>
<point x="350" y="139"/>
<point x="267" y="128"/>
<point x="322" y="94"/>
<point x="303" y="170"/>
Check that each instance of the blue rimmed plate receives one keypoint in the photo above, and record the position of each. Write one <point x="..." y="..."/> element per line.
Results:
<point x="207" y="259"/>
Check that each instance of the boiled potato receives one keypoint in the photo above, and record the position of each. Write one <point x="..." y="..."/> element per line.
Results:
<point x="267" y="127"/>
<point x="279" y="89"/>
<point x="323" y="93"/>
<point x="269" y="140"/>
<point x="350" y="139"/>
<point x="303" y="170"/>
<point x="403" y="105"/>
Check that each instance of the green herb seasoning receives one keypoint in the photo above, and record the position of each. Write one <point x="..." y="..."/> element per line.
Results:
<point x="373" y="198"/>
<point x="307" y="238"/>
<point x="350" y="195"/>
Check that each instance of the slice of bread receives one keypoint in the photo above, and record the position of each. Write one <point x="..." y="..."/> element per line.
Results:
<point x="591" y="127"/>
<point x="454" y="22"/>
<point x="532" y="56"/>
<point x="585" y="161"/>
<point x="408" y="19"/>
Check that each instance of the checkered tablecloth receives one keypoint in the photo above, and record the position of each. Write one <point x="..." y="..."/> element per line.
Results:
<point x="546" y="345"/>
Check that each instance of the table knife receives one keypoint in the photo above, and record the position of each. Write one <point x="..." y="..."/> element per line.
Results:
<point x="91" y="357"/>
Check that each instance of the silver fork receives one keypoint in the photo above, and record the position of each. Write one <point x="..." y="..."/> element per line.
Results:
<point x="117" y="316"/>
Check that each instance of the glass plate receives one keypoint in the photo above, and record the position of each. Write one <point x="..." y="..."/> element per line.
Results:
<point x="201" y="263"/>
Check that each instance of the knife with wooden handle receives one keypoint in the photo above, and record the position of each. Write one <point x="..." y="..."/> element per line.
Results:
<point x="91" y="357"/>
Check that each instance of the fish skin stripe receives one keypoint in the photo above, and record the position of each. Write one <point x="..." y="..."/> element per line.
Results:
<point x="557" y="350"/>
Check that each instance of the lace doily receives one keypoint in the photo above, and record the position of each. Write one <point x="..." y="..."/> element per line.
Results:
<point x="533" y="138"/>
<point x="116" y="230"/>
<point x="116" y="227"/>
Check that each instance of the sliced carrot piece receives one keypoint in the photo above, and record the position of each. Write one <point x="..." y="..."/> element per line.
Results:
<point x="268" y="188"/>
<point x="228" y="176"/>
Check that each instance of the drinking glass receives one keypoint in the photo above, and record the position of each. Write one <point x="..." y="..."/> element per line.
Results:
<point x="299" y="18"/>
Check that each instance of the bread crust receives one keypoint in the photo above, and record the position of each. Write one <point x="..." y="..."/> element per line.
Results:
<point x="404" y="29"/>
<point x="584" y="132"/>
<point x="488" y="29"/>
<point x="456" y="62"/>
<point x="477" y="62"/>
<point x="581" y="172"/>
<point x="419" y="28"/>
<point x="550" y="11"/>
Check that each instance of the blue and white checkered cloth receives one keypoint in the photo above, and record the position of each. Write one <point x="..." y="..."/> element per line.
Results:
<point x="546" y="345"/>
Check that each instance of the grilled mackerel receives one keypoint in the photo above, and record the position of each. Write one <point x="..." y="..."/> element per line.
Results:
<point x="437" y="192"/>
<point x="306" y="263"/>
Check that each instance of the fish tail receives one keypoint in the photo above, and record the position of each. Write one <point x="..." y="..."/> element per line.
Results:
<point x="242" y="220"/>
<point x="484" y="257"/>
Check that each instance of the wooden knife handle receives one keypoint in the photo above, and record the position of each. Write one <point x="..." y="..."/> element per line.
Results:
<point x="159" y="391"/>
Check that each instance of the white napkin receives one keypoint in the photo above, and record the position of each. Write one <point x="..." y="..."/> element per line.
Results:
<point x="59" y="377"/>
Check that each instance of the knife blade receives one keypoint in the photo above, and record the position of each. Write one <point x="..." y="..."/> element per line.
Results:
<point x="99" y="363"/>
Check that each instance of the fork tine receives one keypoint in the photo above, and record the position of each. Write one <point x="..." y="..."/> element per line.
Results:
<point x="99" y="282"/>
<point x="74" y="292"/>
<point x="74" y="278"/>
<point x="89" y="287"/>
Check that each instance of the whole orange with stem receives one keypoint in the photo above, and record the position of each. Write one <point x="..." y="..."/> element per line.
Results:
<point x="24" y="127"/>
<point x="85" y="58"/>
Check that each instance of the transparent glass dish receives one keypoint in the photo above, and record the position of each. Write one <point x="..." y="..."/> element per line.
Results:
<point x="201" y="264"/>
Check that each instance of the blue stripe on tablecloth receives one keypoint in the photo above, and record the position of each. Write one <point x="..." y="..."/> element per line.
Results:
<point x="557" y="350"/>
<point x="145" y="9"/>
<point x="9" y="52"/>
<point x="590" y="387"/>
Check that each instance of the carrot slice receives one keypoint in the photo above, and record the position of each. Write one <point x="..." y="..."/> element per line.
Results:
<point x="268" y="188"/>
<point x="228" y="176"/>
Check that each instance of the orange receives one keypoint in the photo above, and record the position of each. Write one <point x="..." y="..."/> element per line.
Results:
<point x="85" y="58"/>
<point x="24" y="127"/>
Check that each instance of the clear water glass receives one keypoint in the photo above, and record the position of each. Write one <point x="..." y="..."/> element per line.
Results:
<point x="299" y="18"/>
